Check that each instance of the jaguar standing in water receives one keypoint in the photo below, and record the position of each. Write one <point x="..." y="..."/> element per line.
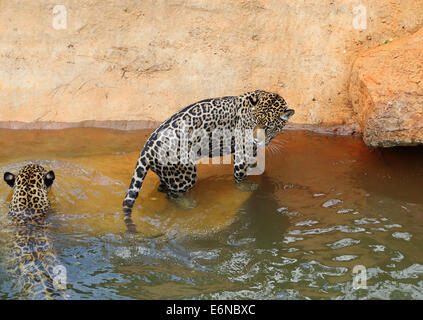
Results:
<point x="31" y="258"/>
<point x="192" y="130"/>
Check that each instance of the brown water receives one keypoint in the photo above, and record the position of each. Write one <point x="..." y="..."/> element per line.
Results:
<point x="325" y="205"/>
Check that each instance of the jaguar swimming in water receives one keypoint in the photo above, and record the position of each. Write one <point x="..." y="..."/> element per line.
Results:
<point x="30" y="188"/>
<point x="31" y="259"/>
<point x="191" y="131"/>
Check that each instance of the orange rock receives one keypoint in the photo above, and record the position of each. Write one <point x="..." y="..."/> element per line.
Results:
<point x="386" y="89"/>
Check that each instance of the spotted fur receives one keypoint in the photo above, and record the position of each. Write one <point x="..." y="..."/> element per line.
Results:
<point x="30" y="188"/>
<point x="31" y="259"/>
<point x="251" y="110"/>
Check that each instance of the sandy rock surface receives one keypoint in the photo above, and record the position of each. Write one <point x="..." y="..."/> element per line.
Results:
<point x="387" y="93"/>
<point x="144" y="60"/>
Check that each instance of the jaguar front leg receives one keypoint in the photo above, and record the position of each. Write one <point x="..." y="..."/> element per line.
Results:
<point x="244" y="159"/>
<point x="241" y="178"/>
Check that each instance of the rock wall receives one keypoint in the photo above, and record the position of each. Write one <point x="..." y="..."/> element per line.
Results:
<point x="144" y="60"/>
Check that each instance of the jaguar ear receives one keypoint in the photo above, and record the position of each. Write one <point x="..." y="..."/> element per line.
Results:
<point x="287" y="114"/>
<point x="254" y="97"/>
<point x="10" y="179"/>
<point x="49" y="178"/>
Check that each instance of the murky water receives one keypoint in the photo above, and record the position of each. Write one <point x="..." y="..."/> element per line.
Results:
<point x="325" y="205"/>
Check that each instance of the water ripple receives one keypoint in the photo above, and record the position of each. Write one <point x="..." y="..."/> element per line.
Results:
<point x="402" y="235"/>
<point x="346" y="242"/>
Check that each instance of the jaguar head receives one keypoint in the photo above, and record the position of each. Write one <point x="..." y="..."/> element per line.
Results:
<point x="270" y="112"/>
<point x="30" y="188"/>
